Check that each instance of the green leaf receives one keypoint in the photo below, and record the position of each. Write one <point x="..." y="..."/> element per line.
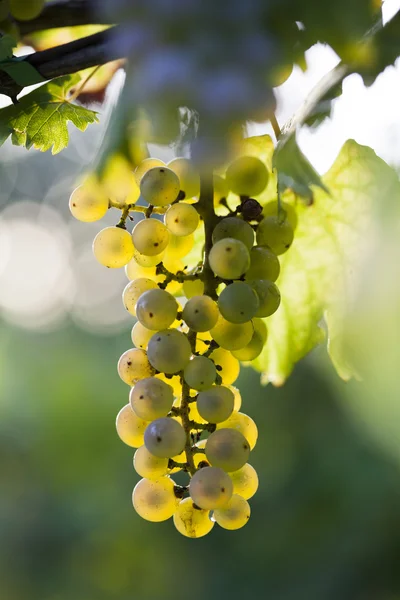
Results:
<point x="40" y="119"/>
<point x="317" y="272"/>
<point x="7" y="44"/>
<point x="22" y="72"/>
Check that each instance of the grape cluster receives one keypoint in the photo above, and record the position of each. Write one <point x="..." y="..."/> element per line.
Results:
<point x="22" y="10"/>
<point x="194" y="324"/>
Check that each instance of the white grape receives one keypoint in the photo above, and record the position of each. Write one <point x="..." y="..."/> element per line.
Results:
<point x="193" y="288"/>
<point x="210" y="488"/>
<point x="160" y="186"/>
<point x="165" y="437"/>
<point x="179" y="246"/>
<point x="200" y="373"/>
<point x="88" y="202"/>
<point x="264" y="264"/>
<point x="155" y="500"/>
<point x="113" y="247"/>
<point x="227" y="449"/>
<point x="141" y="335"/>
<point x="151" y="398"/>
<point x="245" y="481"/>
<point x="238" y="302"/>
<point x="146" y="165"/>
<point x="232" y="336"/>
<point x="252" y="349"/>
<point x="133" y="366"/>
<point x="247" y="176"/>
<point x="229" y="258"/>
<point x="268" y="295"/>
<point x="169" y="351"/>
<point x="149" y="466"/>
<point x="234" y="515"/>
<point x="275" y="233"/>
<point x="181" y="219"/>
<point x="133" y="290"/>
<point x="130" y="427"/>
<point x="200" y="313"/>
<point x="192" y="522"/>
<point x="232" y="227"/>
<point x="215" y="404"/>
<point x="147" y="261"/>
<point x="150" y="237"/>
<point x="244" y="424"/>
<point x="156" y="309"/>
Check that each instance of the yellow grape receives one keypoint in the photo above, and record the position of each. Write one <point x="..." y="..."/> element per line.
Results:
<point x="146" y="165"/>
<point x="113" y="247"/>
<point x="200" y="456"/>
<point x="134" y="271"/>
<point x="154" y="499"/>
<point x="130" y="427"/>
<point x="25" y="10"/>
<point x="192" y="522"/>
<point x="149" y="466"/>
<point x="238" y="398"/>
<point x="133" y="366"/>
<point x="133" y="290"/>
<point x="178" y="247"/>
<point x="234" y="515"/>
<point x="189" y="177"/>
<point x="193" y="288"/>
<point x="244" y="424"/>
<point x="245" y="481"/>
<point x="141" y="335"/>
<point x="230" y="366"/>
<point x="88" y="203"/>
<point x="232" y="336"/>
<point x="147" y="261"/>
<point x="150" y="237"/>
<point x="173" y="381"/>
<point x="119" y="182"/>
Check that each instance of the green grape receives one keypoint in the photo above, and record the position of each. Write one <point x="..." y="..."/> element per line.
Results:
<point x="215" y="404"/>
<point x="275" y="233"/>
<point x="286" y="210"/>
<point x="238" y="302"/>
<point x="133" y="290"/>
<point x="159" y="186"/>
<point x="178" y="247"/>
<point x="193" y="288"/>
<point x="232" y="336"/>
<point x="149" y="466"/>
<point x="133" y="366"/>
<point x="146" y="165"/>
<point x="261" y="328"/>
<point x="88" y="203"/>
<point x="151" y="398"/>
<point x="169" y="351"/>
<point x="181" y="219"/>
<point x="227" y="449"/>
<point x="229" y="258"/>
<point x="165" y="437"/>
<point x="147" y="261"/>
<point x="200" y="457"/>
<point x="135" y="271"/>
<point x="210" y="488"/>
<point x="234" y="515"/>
<point x="156" y="309"/>
<point x="188" y="176"/>
<point x="221" y="190"/>
<point x="200" y="373"/>
<point x="268" y="295"/>
<point x="130" y="427"/>
<point x="245" y="481"/>
<point x="141" y="335"/>
<point x="232" y="227"/>
<point x="113" y="247"/>
<point x="155" y="500"/>
<point x="264" y="264"/>
<point x="200" y="313"/>
<point x="150" y="237"/>
<point x="229" y="366"/>
<point x="247" y="176"/>
<point x="252" y="350"/>
<point x="192" y="522"/>
<point x="26" y="10"/>
<point x="244" y="424"/>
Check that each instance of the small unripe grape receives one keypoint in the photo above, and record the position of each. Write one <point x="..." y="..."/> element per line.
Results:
<point x="252" y="350"/>
<point x="245" y="481"/>
<point x="133" y="290"/>
<point x="285" y="211"/>
<point x="113" y="247"/>
<point x="133" y="366"/>
<point x="193" y="288"/>
<point x="192" y="522"/>
<point x="150" y="237"/>
<point x="169" y="351"/>
<point x="232" y="336"/>
<point x="156" y="309"/>
<point x="238" y="302"/>
<point x="189" y="177"/>
<point x="148" y="261"/>
<point x="154" y="499"/>
<point x="141" y="335"/>
<point x="247" y="176"/>
<point x="229" y="258"/>
<point x="268" y="295"/>
<point x="165" y="437"/>
<point x="130" y="427"/>
<point x="264" y="264"/>
<point x="275" y="233"/>
<point x="149" y="466"/>
<point x="26" y="10"/>
<point x="210" y="488"/>
<point x="244" y="424"/>
<point x="229" y="366"/>
<point x="234" y="515"/>
<point x="88" y="202"/>
<point x="215" y="404"/>
<point x="233" y="227"/>
<point x="227" y="449"/>
<point x="146" y="165"/>
<point x="200" y="373"/>
<point x="151" y="398"/>
<point x="200" y="313"/>
<point x="179" y="246"/>
<point x="181" y="219"/>
<point x="160" y="186"/>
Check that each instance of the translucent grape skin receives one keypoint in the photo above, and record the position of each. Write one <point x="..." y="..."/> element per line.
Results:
<point x="210" y="488"/>
<point x="146" y="165"/>
<point x="155" y="500"/>
<point x="130" y="427"/>
<point x="192" y="522"/>
<point x="252" y="350"/>
<point x="88" y="203"/>
<point x="228" y="366"/>
<point x="160" y="186"/>
<point x="200" y="373"/>
<point x="233" y="227"/>
<point x="169" y="351"/>
<point x="181" y="219"/>
<point x="264" y="264"/>
<point x="151" y="398"/>
<point x="232" y="336"/>
<point x="238" y="302"/>
<point x="229" y="258"/>
<point x="245" y="481"/>
<point x="234" y="515"/>
<point x="200" y="313"/>
<point x="227" y="449"/>
<point x="165" y="437"/>
<point x="141" y="335"/>
<point x="215" y="404"/>
<point x="275" y="233"/>
<point x="244" y="424"/>
<point x="134" y="365"/>
<point x="188" y="176"/>
<point x="156" y="309"/>
<point x="268" y="295"/>
<point x="247" y="176"/>
<point x="193" y="288"/>
<point x="133" y="290"/>
<point x="113" y="247"/>
<point x="149" y="466"/>
<point x="150" y="237"/>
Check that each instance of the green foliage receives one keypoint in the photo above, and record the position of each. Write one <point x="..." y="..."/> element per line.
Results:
<point x="7" y="44"/>
<point x="40" y="119"/>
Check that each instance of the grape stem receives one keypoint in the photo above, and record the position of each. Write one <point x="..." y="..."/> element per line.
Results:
<point x="178" y="276"/>
<point x="275" y="127"/>
<point x="158" y="210"/>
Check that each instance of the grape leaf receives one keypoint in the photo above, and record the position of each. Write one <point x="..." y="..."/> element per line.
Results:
<point x="7" y="44"/>
<point x="40" y="119"/>
<point x="318" y="270"/>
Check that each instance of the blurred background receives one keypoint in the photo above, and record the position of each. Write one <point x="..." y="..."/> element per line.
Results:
<point x="326" y="521"/>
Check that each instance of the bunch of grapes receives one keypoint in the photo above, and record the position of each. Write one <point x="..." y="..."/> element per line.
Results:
<point x="194" y="323"/>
